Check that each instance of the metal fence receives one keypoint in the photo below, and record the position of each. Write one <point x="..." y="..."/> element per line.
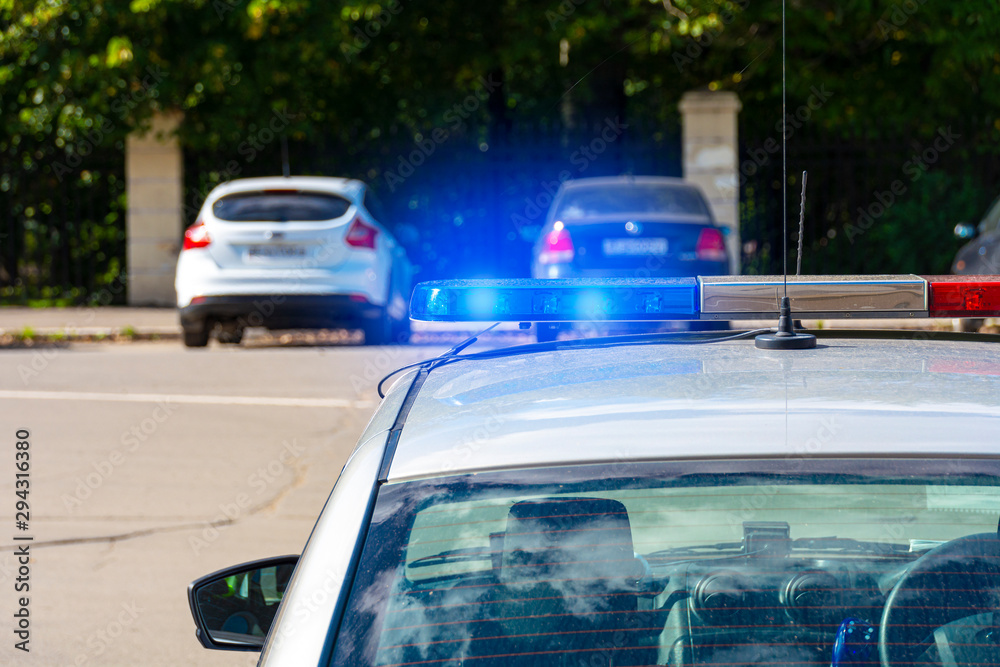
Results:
<point x="467" y="202"/>
<point x="871" y="207"/>
<point x="62" y="228"/>
<point x="464" y="203"/>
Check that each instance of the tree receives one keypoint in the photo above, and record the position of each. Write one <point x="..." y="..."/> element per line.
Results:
<point x="77" y="75"/>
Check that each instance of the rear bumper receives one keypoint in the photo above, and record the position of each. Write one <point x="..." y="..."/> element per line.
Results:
<point x="280" y="311"/>
<point x="198" y="275"/>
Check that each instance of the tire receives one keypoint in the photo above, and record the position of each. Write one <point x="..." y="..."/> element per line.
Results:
<point x="230" y="337"/>
<point x="195" y="338"/>
<point x="378" y="331"/>
<point x="400" y="331"/>
<point x="968" y="326"/>
<point x="546" y="333"/>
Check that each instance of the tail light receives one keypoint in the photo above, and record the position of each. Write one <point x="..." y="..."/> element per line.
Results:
<point x="196" y="236"/>
<point x="711" y="246"/>
<point x="361" y="235"/>
<point x="557" y="247"/>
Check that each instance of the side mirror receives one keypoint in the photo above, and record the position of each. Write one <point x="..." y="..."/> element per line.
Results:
<point x="233" y="608"/>
<point x="964" y="230"/>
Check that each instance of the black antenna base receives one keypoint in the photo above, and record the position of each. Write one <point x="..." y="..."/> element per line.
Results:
<point x="785" y="338"/>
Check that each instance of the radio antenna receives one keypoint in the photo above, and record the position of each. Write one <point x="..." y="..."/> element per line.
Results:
<point x="286" y="169"/>
<point x="785" y="338"/>
<point x="784" y="162"/>
<point x="802" y="223"/>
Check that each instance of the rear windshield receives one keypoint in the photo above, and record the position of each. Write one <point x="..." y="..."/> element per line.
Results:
<point x="635" y="198"/>
<point x="280" y="206"/>
<point x="720" y="563"/>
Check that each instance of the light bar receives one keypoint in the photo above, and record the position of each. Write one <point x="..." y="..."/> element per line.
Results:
<point x="964" y="296"/>
<point x="567" y="300"/>
<point x="826" y="297"/>
<point x="705" y="298"/>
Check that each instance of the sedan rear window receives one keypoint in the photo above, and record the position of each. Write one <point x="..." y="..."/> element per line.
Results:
<point x="280" y="206"/>
<point x="625" y="199"/>
<point x="713" y="563"/>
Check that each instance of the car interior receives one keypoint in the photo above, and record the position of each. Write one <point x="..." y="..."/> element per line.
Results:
<point x="897" y="570"/>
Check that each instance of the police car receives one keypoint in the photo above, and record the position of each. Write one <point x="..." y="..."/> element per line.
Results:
<point x="713" y="498"/>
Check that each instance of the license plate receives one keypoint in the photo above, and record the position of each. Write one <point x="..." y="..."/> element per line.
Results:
<point x="276" y="252"/>
<point x="618" y="247"/>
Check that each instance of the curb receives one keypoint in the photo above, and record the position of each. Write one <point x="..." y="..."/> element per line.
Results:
<point x="54" y="336"/>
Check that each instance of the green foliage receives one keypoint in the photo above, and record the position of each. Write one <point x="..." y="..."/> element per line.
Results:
<point x="915" y="234"/>
<point x="352" y="68"/>
<point x="76" y="76"/>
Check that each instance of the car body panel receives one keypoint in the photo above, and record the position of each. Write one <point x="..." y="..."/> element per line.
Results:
<point x="322" y="241"/>
<point x="981" y="255"/>
<point x="664" y="242"/>
<point x="331" y="545"/>
<point x="719" y="400"/>
<point x="254" y="258"/>
<point x="359" y="276"/>
<point x="617" y="402"/>
<point x="304" y="628"/>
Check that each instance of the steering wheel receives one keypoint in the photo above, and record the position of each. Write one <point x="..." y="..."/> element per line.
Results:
<point x="947" y="605"/>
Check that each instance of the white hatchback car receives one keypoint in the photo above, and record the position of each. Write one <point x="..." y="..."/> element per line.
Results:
<point x="669" y="499"/>
<point x="290" y="253"/>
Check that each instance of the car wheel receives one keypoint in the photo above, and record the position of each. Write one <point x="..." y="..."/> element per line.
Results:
<point x="546" y="333"/>
<point x="195" y="338"/>
<point x="968" y="326"/>
<point x="230" y="335"/>
<point x="378" y="331"/>
<point x="400" y="331"/>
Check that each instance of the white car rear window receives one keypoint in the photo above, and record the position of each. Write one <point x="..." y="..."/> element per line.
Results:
<point x="280" y="206"/>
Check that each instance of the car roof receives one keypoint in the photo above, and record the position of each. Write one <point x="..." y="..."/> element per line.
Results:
<point x="347" y="187"/>
<point x="848" y="397"/>
<point x="626" y="180"/>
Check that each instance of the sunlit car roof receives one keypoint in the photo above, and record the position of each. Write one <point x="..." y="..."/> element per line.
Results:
<point x="635" y="402"/>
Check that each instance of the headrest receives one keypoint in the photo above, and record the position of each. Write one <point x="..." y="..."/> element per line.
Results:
<point x="575" y="541"/>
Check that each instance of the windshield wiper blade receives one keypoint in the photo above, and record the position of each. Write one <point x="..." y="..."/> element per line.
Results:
<point x="697" y="550"/>
<point x="454" y="556"/>
<point x="848" y="545"/>
<point x="825" y="544"/>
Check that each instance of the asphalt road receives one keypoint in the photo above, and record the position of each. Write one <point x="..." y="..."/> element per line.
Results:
<point x="152" y="465"/>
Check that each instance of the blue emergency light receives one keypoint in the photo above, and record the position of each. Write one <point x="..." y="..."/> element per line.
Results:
<point x="705" y="298"/>
<point x="556" y="300"/>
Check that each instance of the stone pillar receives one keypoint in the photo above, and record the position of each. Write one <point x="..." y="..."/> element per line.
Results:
<point x="154" y="183"/>
<point x="711" y="158"/>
